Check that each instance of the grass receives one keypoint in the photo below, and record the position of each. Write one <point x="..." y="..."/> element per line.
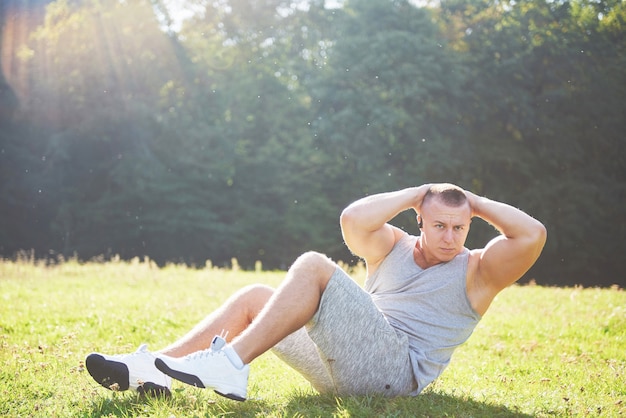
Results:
<point x="538" y="351"/>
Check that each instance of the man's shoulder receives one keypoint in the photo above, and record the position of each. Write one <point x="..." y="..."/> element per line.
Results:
<point x="403" y="243"/>
<point x="402" y="239"/>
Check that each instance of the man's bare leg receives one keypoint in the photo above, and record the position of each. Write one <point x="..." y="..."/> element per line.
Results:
<point x="232" y="318"/>
<point x="225" y="368"/>
<point x="291" y="306"/>
<point x="137" y="370"/>
<point x="257" y="317"/>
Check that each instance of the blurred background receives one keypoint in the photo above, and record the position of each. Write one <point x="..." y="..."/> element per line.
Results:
<point x="198" y="130"/>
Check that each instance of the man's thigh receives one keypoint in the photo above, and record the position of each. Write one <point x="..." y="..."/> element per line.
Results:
<point x="361" y="351"/>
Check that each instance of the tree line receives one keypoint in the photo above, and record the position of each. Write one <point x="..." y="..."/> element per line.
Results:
<point x="243" y="130"/>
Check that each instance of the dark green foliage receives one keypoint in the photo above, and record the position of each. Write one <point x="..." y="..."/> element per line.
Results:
<point x="246" y="131"/>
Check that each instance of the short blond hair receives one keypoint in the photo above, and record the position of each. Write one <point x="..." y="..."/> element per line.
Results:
<point x="447" y="193"/>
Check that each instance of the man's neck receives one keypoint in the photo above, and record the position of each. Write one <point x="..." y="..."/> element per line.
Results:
<point x="420" y="257"/>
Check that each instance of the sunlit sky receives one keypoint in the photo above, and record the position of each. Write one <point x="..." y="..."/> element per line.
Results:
<point x="180" y="10"/>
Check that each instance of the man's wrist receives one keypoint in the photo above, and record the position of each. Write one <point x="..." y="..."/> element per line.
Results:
<point x="419" y="193"/>
<point x="476" y="203"/>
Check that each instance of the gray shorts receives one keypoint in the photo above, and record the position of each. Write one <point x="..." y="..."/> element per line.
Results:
<point x="348" y="347"/>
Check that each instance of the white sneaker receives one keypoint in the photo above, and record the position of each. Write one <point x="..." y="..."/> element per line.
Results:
<point x="209" y="368"/>
<point x="129" y="371"/>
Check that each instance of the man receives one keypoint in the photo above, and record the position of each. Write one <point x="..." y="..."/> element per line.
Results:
<point x="422" y="298"/>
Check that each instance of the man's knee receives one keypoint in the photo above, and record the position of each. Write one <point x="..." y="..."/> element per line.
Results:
<point x="313" y="259"/>
<point x="256" y="292"/>
<point x="314" y="265"/>
<point x="252" y="298"/>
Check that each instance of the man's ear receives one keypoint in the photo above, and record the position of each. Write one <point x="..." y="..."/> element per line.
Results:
<point x="420" y="224"/>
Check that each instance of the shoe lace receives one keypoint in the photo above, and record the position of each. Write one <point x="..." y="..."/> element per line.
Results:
<point x="216" y="349"/>
<point x="198" y="355"/>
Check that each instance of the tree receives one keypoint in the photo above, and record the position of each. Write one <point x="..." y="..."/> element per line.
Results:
<point x="538" y="69"/>
<point x="247" y="131"/>
<point x="386" y="106"/>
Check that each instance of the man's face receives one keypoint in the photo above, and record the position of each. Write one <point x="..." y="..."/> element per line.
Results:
<point x="444" y="229"/>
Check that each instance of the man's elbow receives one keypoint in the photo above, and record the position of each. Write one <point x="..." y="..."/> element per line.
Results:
<point x="539" y="235"/>
<point x="347" y="217"/>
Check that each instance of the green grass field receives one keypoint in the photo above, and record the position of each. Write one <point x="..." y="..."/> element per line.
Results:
<point x="537" y="352"/>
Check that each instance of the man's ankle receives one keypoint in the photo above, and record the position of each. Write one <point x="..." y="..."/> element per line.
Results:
<point x="233" y="357"/>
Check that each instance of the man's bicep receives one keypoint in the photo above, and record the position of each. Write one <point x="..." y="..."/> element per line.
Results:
<point x="504" y="261"/>
<point x="372" y="246"/>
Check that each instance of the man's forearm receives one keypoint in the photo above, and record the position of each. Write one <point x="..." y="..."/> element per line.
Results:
<point x="372" y="212"/>
<point x="510" y="221"/>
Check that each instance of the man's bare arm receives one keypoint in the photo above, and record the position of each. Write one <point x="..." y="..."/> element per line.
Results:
<point x="364" y="223"/>
<point x="507" y="257"/>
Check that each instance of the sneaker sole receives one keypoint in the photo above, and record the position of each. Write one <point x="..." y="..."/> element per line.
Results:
<point x="114" y="376"/>
<point x="110" y="374"/>
<point x="193" y="380"/>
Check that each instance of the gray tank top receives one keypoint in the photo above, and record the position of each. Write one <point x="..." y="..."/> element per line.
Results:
<point x="430" y="306"/>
